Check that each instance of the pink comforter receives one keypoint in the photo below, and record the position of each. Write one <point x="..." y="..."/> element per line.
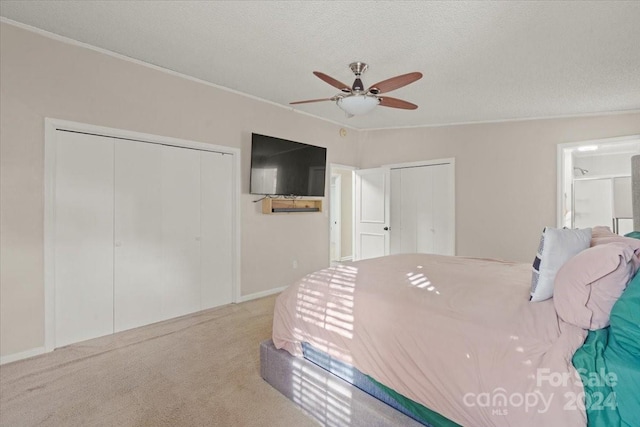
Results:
<point x="457" y="335"/>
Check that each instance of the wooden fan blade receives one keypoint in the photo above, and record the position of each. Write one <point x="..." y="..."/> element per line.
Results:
<point x="386" y="101"/>
<point x="312" y="100"/>
<point x="395" y="83"/>
<point x="333" y="82"/>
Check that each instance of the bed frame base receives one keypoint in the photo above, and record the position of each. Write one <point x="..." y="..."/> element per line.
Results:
<point x="324" y="396"/>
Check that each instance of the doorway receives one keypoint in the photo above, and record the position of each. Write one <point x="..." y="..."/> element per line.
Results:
<point x="340" y="213"/>
<point x="594" y="183"/>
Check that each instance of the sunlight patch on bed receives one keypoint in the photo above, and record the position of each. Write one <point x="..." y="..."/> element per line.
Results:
<point x="419" y="280"/>
<point x="327" y="400"/>
<point x="347" y="318"/>
<point x="339" y="328"/>
<point x="325" y="301"/>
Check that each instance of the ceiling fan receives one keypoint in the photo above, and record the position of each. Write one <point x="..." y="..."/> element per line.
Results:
<point x="357" y="100"/>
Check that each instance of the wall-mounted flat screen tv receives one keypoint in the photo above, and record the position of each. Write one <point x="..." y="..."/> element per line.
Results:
<point x="280" y="167"/>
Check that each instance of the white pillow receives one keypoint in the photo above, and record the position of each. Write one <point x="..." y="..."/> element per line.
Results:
<point x="557" y="246"/>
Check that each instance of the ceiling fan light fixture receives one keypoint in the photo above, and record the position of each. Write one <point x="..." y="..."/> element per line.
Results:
<point x="356" y="100"/>
<point x="357" y="105"/>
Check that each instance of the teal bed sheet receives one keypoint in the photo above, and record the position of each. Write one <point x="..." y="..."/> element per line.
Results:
<point x="609" y="365"/>
<point x="417" y="411"/>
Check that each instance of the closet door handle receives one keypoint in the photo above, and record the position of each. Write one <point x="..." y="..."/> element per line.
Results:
<point x="386" y="229"/>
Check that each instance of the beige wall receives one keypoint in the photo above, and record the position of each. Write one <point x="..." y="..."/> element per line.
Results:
<point x="41" y="77"/>
<point x="505" y="174"/>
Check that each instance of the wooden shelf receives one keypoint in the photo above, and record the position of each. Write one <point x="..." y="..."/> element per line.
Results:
<point x="270" y="205"/>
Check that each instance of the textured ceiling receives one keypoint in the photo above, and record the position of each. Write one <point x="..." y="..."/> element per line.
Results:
<point x="482" y="61"/>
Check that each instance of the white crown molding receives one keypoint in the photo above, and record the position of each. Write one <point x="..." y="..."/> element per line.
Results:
<point x="522" y="119"/>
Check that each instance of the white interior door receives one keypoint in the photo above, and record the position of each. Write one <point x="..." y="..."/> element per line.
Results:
<point x="371" y="213"/>
<point x="83" y="224"/>
<point x="216" y="229"/>
<point x="138" y="234"/>
<point x="335" y="219"/>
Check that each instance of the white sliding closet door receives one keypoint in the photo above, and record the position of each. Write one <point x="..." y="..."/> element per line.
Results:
<point x="138" y="234"/>
<point x="180" y="231"/>
<point x="173" y="235"/>
<point x="443" y="194"/>
<point x="83" y="224"/>
<point x="141" y="232"/>
<point x="421" y="183"/>
<point x="216" y="233"/>
<point x="422" y="209"/>
<point x="411" y="210"/>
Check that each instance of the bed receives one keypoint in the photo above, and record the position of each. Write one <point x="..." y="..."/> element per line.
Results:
<point x="444" y="341"/>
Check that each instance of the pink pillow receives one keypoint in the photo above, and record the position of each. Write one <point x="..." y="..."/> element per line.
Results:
<point x="587" y="286"/>
<point x="601" y="235"/>
<point x="601" y="231"/>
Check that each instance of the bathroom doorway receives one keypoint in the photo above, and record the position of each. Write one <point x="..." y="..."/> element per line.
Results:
<point x="340" y="213"/>
<point x="594" y="183"/>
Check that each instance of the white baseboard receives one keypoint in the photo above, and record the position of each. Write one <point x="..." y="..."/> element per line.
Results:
<point x="41" y="350"/>
<point x="346" y="258"/>
<point x="22" y="355"/>
<point x="257" y="295"/>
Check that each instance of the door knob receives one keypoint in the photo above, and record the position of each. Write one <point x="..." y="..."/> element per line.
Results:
<point x="386" y="229"/>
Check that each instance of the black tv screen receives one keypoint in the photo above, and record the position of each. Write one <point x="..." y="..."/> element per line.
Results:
<point x="286" y="168"/>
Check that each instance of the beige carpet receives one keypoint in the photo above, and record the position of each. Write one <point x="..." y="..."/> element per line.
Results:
<point x="198" y="370"/>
